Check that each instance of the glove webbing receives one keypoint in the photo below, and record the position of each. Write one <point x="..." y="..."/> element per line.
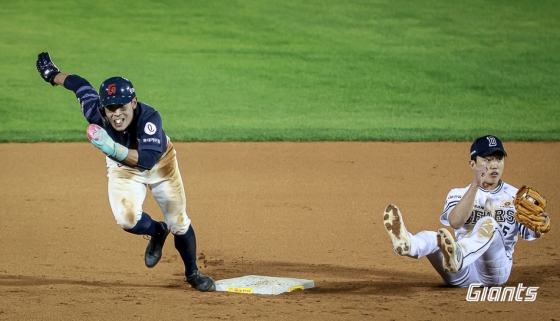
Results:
<point x="529" y="204"/>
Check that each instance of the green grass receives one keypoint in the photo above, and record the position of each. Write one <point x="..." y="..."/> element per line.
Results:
<point x="292" y="70"/>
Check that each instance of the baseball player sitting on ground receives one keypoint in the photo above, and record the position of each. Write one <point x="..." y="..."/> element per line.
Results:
<point x="482" y="215"/>
<point x="139" y="154"/>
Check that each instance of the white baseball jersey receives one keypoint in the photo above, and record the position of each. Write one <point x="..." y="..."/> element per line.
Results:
<point x="497" y="203"/>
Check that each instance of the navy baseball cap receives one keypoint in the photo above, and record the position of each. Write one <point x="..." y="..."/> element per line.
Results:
<point x="486" y="145"/>
<point x="116" y="91"/>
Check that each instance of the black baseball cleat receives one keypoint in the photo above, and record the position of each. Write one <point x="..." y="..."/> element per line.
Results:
<point x="201" y="282"/>
<point x="155" y="246"/>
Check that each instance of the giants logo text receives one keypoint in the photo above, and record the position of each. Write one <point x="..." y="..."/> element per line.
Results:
<point x="499" y="294"/>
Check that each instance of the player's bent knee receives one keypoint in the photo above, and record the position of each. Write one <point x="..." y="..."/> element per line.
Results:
<point x="126" y="225"/>
<point x="179" y="228"/>
<point x="127" y="219"/>
<point x="488" y="221"/>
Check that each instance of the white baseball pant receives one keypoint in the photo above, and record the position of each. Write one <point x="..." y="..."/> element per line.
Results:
<point x="485" y="259"/>
<point x="127" y="192"/>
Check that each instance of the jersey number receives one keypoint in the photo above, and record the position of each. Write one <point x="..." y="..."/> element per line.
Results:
<point x="505" y="229"/>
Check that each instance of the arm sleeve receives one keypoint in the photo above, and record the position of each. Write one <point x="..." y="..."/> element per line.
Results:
<point x="151" y="135"/>
<point x="87" y="97"/>
<point x="147" y="158"/>
<point x="152" y="141"/>
<point x="453" y="197"/>
<point x="526" y="233"/>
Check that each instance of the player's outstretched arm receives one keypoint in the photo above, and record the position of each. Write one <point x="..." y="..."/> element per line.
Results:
<point x="85" y="93"/>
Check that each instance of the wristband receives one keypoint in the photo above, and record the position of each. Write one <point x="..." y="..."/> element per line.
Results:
<point x="120" y="152"/>
<point x="52" y="76"/>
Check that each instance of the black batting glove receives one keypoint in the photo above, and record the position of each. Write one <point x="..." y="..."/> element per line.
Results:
<point x="46" y="67"/>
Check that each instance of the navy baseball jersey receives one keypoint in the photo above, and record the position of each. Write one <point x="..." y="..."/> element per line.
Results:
<point x="145" y="132"/>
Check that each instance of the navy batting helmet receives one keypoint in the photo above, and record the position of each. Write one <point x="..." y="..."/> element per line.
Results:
<point x="116" y="91"/>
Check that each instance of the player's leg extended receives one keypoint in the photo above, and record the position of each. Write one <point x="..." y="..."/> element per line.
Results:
<point x="462" y="278"/>
<point x="405" y="243"/>
<point x="168" y="190"/>
<point x="127" y="191"/>
<point x="458" y="255"/>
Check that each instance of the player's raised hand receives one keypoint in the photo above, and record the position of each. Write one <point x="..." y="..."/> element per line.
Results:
<point x="100" y="139"/>
<point x="479" y="175"/>
<point x="46" y="68"/>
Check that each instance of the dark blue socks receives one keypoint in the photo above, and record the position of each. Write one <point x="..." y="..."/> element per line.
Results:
<point x="186" y="245"/>
<point x="146" y="226"/>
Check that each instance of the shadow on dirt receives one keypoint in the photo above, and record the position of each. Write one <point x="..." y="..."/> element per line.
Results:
<point x="329" y="279"/>
<point x="373" y="281"/>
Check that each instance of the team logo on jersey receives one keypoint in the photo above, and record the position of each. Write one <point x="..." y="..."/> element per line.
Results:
<point x="111" y="89"/>
<point x="507" y="204"/>
<point x="491" y="141"/>
<point x="150" y="128"/>
<point x="501" y="215"/>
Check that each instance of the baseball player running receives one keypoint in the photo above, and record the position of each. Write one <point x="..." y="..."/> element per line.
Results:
<point x="139" y="154"/>
<point x="482" y="216"/>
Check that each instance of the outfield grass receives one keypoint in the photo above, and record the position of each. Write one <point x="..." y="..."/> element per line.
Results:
<point x="292" y="70"/>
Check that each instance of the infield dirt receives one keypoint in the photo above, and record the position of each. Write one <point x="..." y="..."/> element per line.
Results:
<point x="303" y="210"/>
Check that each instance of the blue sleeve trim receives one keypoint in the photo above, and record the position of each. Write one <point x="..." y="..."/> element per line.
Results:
<point x="88" y="114"/>
<point x="87" y="96"/>
<point x="527" y="234"/>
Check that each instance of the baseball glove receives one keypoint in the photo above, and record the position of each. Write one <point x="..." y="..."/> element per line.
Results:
<point x="529" y="205"/>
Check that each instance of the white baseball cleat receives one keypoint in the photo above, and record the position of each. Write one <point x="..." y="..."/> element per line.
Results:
<point x="393" y="222"/>
<point x="452" y="254"/>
